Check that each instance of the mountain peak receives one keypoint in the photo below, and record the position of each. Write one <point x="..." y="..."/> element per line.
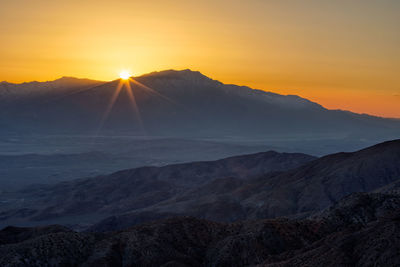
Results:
<point x="185" y="74"/>
<point x="70" y="79"/>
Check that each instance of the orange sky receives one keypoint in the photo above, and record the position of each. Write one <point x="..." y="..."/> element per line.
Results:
<point x="342" y="54"/>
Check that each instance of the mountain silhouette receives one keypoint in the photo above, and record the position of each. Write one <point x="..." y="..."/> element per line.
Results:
<point x="176" y="103"/>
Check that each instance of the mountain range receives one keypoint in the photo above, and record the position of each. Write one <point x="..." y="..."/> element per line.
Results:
<point x="176" y="103"/>
<point x="295" y="193"/>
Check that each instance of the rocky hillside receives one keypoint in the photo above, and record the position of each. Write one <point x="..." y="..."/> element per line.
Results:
<point x="334" y="238"/>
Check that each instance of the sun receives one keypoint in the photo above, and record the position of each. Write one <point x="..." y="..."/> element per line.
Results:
<point x="124" y="75"/>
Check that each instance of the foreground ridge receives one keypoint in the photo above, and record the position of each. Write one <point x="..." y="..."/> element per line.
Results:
<point x="337" y="237"/>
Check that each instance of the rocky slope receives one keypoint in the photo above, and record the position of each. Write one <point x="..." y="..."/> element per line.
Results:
<point x="334" y="238"/>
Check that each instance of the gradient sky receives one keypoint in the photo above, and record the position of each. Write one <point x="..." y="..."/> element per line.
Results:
<point x="343" y="54"/>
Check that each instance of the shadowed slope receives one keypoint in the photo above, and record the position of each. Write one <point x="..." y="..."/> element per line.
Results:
<point x="335" y="239"/>
<point x="141" y="187"/>
<point x="296" y="193"/>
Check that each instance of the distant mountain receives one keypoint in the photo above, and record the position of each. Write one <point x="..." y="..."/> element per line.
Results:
<point x="334" y="239"/>
<point x="135" y="188"/>
<point x="24" y="91"/>
<point x="177" y="103"/>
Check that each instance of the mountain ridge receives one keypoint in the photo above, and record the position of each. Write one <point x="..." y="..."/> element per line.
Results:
<point x="140" y="187"/>
<point x="299" y="192"/>
<point x="186" y="104"/>
<point x="253" y="186"/>
<point x="182" y="74"/>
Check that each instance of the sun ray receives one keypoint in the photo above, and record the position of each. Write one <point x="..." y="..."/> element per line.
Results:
<point x="61" y="97"/>
<point x="152" y="91"/>
<point x="110" y="106"/>
<point x="132" y="98"/>
<point x="126" y="81"/>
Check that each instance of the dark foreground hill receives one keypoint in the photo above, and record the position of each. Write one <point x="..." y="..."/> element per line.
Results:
<point x="361" y="230"/>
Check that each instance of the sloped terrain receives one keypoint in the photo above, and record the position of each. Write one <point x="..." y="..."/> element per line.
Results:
<point x="245" y="187"/>
<point x="137" y="188"/>
<point x="359" y="229"/>
<point x="294" y="193"/>
<point x="335" y="238"/>
<point x="48" y="160"/>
